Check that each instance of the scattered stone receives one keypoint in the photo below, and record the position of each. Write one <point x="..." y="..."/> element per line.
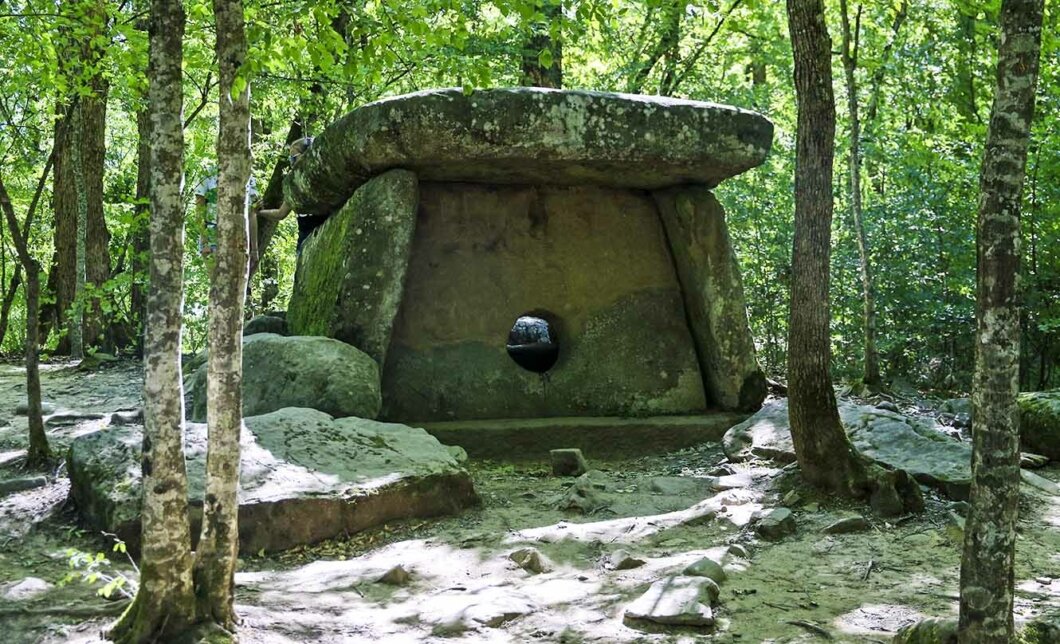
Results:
<point x="928" y="631"/>
<point x="706" y="567"/>
<point x="45" y="408"/>
<point x="1040" y="422"/>
<point x="740" y="551"/>
<point x="776" y="524"/>
<point x="622" y="560"/>
<point x="848" y="525"/>
<point x="568" y="462"/>
<point x="22" y="483"/>
<point x="301" y="371"/>
<point x="1033" y="461"/>
<point x="791" y="499"/>
<point x="1040" y="483"/>
<point x="60" y="419"/>
<point x="396" y="576"/>
<point x="722" y="470"/>
<point x="887" y="405"/>
<point x="265" y="324"/>
<point x="961" y="507"/>
<point x="134" y="417"/>
<point x="304" y="477"/>
<point x="457" y="452"/>
<point x="584" y="495"/>
<point x="28" y="588"/>
<point x="95" y="360"/>
<point x="676" y="601"/>
<point x="531" y="560"/>
<point x="954" y="528"/>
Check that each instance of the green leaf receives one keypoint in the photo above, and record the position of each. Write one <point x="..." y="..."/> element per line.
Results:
<point x="545" y="58"/>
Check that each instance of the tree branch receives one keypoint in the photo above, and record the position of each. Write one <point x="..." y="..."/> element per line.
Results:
<point x="703" y="46"/>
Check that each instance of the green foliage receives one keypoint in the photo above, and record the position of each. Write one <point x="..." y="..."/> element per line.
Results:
<point x="95" y="569"/>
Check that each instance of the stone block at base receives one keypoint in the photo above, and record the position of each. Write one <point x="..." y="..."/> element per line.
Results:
<point x="305" y="477"/>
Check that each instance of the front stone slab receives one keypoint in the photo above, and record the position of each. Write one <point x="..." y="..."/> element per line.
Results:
<point x="529" y="135"/>
<point x="592" y="260"/>
<point x="351" y="271"/>
<point x="304" y="477"/>
<point x="713" y="292"/>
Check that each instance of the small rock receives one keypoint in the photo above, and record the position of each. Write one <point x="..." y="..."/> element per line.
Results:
<point x="1033" y="461"/>
<point x="1040" y="483"/>
<point x="775" y="525"/>
<point x="792" y="498"/>
<point x="961" y="507"/>
<point x="459" y="453"/>
<point x="396" y="576"/>
<point x="928" y="631"/>
<point x="706" y="567"/>
<point x="134" y="417"/>
<point x="45" y="408"/>
<point x="531" y="560"/>
<point x="22" y="483"/>
<point x="848" y="525"/>
<point x="888" y="406"/>
<point x="622" y="560"/>
<point x="722" y="470"/>
<point x="955" y="528"/>
<point x="677" y="601"/>
<point x="585" y="495"/>
<point x="28" y="588"/>
<point x="567" y="462"/>
<point x="738" y="550"/>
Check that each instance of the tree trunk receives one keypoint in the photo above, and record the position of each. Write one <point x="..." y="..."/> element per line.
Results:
<point x="825" y="455"/>
<point x="990" y="534"/>
<point x="536" y="74"/>
<point x="164" y="604"/>
<point x="871" y="376"/>
<point x="9" y="300"/>
<point x="218" y="544"/>
<point x="139" y="235"/>
<point x="76" y="317"/>
<point x="669" y="37"/>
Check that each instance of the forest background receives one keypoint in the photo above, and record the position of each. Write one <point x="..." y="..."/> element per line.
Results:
<point x="73" y="79"/>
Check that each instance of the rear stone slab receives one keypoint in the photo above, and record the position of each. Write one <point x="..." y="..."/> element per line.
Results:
<point x="304" y="477"/>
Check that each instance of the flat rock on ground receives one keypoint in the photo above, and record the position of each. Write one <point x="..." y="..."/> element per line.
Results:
<point x="895" y="440"/>
<point x="1040" y="422"/>
<point x="676" y="601"/>
<point x="305" y="477"/>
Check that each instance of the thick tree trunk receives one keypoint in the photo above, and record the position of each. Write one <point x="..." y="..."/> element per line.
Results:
<point x="534" y="73"/>
<point x="77" y="313"/>
<point x="216" y="556"/>
<point x="990" y="534"/>
<point x="164" y="603"/>
<point x="825" y="455"/>
<point x="871" y="376"/>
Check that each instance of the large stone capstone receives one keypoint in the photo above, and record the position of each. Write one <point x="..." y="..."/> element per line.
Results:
<point x="304" y="477"/>
<point x="529" y="136"/>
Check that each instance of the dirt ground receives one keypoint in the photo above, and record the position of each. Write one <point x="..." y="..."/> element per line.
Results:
<point x="668" y="510"/>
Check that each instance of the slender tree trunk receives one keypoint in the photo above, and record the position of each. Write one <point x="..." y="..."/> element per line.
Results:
<point x="871" y="376"/>
<point x="987" y="575"/>
<point x="216" y="557"/>
<point x="164" y="604"/>
<point x="536" y="74"/>
<point x="9" y="300"/>
<point x="76" y="317"/>
<point x="140" y="238"/>
<point x="670" y="30"/>
<point x="825" y="455"/>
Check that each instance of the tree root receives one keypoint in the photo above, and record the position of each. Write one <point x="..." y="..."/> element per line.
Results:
<point x="101" y="610"/>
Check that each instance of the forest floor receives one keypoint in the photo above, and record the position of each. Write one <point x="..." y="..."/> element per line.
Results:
<point x="858" y="587"/>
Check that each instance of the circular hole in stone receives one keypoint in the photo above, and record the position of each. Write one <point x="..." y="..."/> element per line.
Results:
<point x="533" y="343"/>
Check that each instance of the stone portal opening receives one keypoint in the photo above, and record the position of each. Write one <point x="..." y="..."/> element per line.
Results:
<point x="533" y="343"/>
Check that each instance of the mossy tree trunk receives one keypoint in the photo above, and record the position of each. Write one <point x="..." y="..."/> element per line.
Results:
<point x="987" y="574"/>
<point x="825" y="455"/>
<point x="218" y="544"/>
<point x="164" y="603"/>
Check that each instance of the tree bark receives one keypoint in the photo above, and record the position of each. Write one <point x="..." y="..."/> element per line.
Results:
<point x="164" y="604"/>
<point x="218" y="544"/>
<point x="871" y="376"/>
<point x="825" y="455"/>
<point x="77" y="310"/>
<point x="987" y="574"/>
<point x="534" y="73"/>
<point x="139" y="235"/>
<point x="669" y="38"/>
<point x="9" y="299"/>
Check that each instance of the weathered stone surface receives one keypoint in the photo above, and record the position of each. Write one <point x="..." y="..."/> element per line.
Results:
<point x="568" y="462"/>
<point x="592" y="260"/>
<point x="928" y="631"/>
<point x="713" y="295"/>
<point x="585" y="494"/>
<point x="706" y="567"/>
<point x="676" y="601"/>
<point x="21" y="483"/>
<point x="265" y="324"/>
<point x="351" y="272"/>
<point x="525" y="135"/>
<point x="531" y="560"/>
<point x="623" y="560"/>
<point x="300" y="371"/>
<point x="847" y="525"/>
<point x="304" y="477"/>
<point x="1040" y="423"/>
<point x="896" y="441"/>
<point x="776" y="524"/>
<point x="27" y="588"/>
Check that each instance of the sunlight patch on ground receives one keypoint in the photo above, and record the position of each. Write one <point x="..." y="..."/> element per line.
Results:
<point x="877" y="619"/>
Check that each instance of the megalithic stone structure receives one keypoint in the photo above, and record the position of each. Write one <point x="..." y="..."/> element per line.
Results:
<point x="452" y="215"/>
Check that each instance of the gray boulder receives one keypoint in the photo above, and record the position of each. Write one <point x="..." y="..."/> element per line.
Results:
<point x="1040" y="423"/>
<point x="776" y="524"/>
<point x="265" y="324"/>
<point x="676" y="601"/>
<point x="300" y="371"/>
<point x="527" y="136"/>
<point x="304" y="477"/>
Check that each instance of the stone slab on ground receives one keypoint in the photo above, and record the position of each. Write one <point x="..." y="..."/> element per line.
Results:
<point x="529" y="135"/>
<point x="300" y="371"/>
<point x="1040" y="423"/>
<point x="894" y="440"/>
<point x="305" y="477"/>
<point x="519" y="439"/>
<point x="676" y="601"/>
